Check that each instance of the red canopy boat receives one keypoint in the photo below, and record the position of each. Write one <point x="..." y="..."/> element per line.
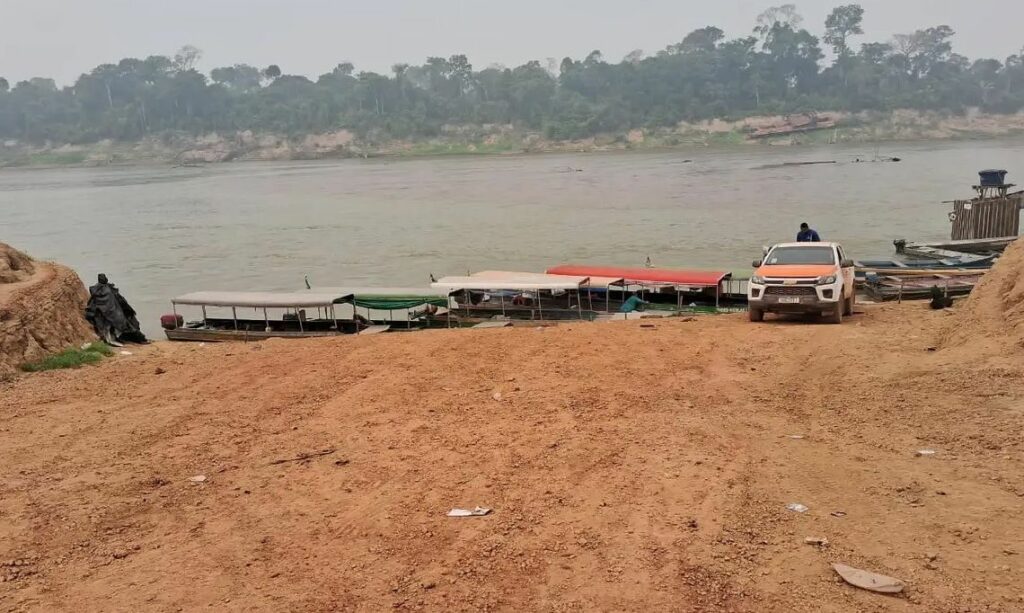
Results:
<point x="658" y="276"/>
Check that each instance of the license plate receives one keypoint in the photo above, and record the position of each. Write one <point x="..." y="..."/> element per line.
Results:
<point x="789" y="299"/>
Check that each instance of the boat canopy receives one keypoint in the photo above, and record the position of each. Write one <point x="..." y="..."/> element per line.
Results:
<point x="266" y="300"/>
<point x="585" y="282"/>
<point x="387" y="298"/>
<point x="655" y="276"/>
<point x="516" y="281"/>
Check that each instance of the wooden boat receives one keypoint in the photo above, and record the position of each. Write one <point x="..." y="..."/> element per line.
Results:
<point x="795" y="124"/>
<point x="292" y="317"/>
<point x="984" y="246"/>
<point x="665" y="286"/>
<point x="511" y="295"/>
<point x="399" y="308"/>
<point x="967" y="266"/>
<point x="919" y="287"/>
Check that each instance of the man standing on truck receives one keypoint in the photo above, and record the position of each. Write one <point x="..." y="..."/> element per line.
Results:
<point x="807" y="235"/>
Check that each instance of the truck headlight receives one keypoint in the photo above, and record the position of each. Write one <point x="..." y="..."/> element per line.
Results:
<point x="756" y="280"/>
<point x="829" y="280"/>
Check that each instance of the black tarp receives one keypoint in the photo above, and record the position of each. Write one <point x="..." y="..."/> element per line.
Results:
<point x="111" y="316"/>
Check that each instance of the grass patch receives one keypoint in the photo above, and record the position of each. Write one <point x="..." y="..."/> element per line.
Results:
<point x="54" y="158"/>
<point x="71" y="358"/>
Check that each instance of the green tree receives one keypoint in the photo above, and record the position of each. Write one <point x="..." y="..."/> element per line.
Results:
<point x="785" y="15"/>
<point x="239" y="78"/>
<point x="842" y="23"/>
<point x="705" y="39"/>
<point x="272" y="72"/>
<point x="186" y="58"/>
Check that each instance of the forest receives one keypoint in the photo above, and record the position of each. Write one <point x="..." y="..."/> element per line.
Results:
<point x="781" y="67"/>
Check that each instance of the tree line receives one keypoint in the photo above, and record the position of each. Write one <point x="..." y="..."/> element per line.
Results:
<point x="781" y="67"/>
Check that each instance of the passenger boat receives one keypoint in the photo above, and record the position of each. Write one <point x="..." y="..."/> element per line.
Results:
<point x="514" y="295"/>
<point x="399" y="308"/>
<point x="249" y="316"/>
<point x="667" y="287"/>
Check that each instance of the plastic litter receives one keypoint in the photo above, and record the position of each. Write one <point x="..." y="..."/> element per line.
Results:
<point x="198" y="479"/>
<point x="797" y="507"/>
<point x="865" y="580"/>
<point x="925" y="452"/>
<point x="477" y="512"/>
<point x="816" y="541"/>
<point x="795" y="437"/>
<point x="838" y="513"/>
<point x="125" y="352"/>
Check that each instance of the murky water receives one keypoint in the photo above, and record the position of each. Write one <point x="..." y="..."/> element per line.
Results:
<point x="162" y="231"/>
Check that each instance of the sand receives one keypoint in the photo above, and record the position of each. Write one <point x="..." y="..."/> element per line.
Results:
<point x="628" y="468"/>
<point x="42" y="310"/>
<point x="993" y="315"/>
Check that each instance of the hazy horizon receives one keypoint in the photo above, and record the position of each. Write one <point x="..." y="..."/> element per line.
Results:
<point x="52" y="38"/>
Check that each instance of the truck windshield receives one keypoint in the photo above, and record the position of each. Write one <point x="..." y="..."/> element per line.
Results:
<point x="801" y="255"/>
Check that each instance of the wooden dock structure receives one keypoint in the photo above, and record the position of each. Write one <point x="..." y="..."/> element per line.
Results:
<point x="986" y="217"/>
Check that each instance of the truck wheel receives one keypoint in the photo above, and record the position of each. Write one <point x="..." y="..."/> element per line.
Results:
<point x="756" y="315"/>
<point x="836" y="316"/>
<point x="848" y="305"/>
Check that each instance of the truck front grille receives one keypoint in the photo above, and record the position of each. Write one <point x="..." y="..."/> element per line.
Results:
<point x="789" y="290"/>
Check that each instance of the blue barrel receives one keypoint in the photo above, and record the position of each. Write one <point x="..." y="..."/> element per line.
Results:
<point x="992" y="178"/>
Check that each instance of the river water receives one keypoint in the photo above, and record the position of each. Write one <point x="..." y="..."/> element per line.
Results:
<point x="161" y="231"/>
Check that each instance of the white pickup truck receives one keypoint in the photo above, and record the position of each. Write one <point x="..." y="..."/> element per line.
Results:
<point x="803" y="278"/>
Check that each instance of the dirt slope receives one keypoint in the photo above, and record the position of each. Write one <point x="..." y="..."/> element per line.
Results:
<point x="993" y="315"/>
<point x="629" y="468"/>
<point x="41" y="309"/>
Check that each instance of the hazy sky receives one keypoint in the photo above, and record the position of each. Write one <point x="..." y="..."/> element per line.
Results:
<point x="63" y="38"/>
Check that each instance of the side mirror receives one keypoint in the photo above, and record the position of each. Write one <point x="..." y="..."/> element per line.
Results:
<point x="846" y="264"/>
<point x="756" y="263"/>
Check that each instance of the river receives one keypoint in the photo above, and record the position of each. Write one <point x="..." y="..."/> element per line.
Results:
<point x="161" y="231"/>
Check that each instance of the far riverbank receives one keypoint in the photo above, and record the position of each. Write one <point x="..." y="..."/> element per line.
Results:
<point x="186" y="150"/>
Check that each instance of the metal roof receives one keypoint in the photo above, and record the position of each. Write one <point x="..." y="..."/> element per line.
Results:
<point x="276" y="300"/>
<point x="520" y="281"/>
<point x="644" y="276"/>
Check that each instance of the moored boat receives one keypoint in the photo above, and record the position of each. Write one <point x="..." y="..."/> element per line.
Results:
<point x="260" y="315"/>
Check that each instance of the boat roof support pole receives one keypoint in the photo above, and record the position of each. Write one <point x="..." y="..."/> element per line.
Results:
<point x="266" y="319"/>
<point x="298" y="315"/>
<point x="234" y="317"/>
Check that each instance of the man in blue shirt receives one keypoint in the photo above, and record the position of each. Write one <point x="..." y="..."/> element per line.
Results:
<point x="807" y="235"/>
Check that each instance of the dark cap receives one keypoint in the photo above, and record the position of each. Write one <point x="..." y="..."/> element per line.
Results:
<point x="804" y="226"/>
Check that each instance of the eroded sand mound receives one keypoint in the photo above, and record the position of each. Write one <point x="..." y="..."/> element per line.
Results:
<point x="15" y="266"/>
<point x="994" y="313"/>
<point x="41" y="309"/>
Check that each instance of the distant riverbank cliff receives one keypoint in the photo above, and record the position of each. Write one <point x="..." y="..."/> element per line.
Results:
<point x="176" y="148"/>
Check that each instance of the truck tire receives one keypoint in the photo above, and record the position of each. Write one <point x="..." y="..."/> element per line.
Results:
<point x="756" y="315"/>
<point x="848" y="304"/>
<point x="836" y="316"/>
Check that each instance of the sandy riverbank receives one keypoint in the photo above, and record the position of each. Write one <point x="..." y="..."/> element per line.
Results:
<point x="179" y="148"/>
<point x="629" y="468"/>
